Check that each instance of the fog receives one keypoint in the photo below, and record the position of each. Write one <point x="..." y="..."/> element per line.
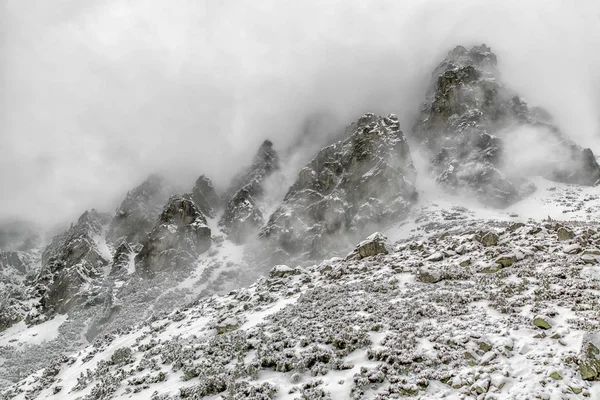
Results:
<point x="94" y="96"/>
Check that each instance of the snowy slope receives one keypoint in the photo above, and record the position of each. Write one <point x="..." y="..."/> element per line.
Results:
<point x="443" y="316"/>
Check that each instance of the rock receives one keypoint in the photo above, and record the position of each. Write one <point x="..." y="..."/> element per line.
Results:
<point x="515" y="225"/>
<point x="350" y="189"/>
<point x="138" y="212"/>
<point x="556" y="376"/>
<point x="467" y="126"/>
<point x="489" y="239"/>
<point x="428" y="275"/>
<point x="541" y="322"/>
<point x="589" y="259"/>
<point x="437" y="256"/>
<point x="205" y="196"/>
<point x="589" y="357"/>
<point x="121" y="259"/>
<point x="465" y="262"/>
<point x="180" y="235"/>
<point x="591" y="252"/>
<point x="281" y="271"/>
<point x="375" y="244"/>
<point x="227" y="325"/>
<point x="243" y="214"/>
<point x="572" y="248"/>
<point x="506" y="260"/>
<point x="564" y="233"/>
<point x="70" y="261"/>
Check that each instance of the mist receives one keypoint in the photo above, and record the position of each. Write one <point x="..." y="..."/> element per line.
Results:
<point x="94" y="97"/>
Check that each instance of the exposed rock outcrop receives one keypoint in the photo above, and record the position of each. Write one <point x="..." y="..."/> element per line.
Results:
<point x="70" y="261"/>
<point x="478" y="134"/>
<point x="180" y="235"/>
<point x="137" y="214"/>
<point x="205" y="196"/>
<point x="243" y="214"/>
<point x="348" y="190"/>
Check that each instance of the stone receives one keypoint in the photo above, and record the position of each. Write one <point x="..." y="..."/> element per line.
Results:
<point x="428" y="275"/>
<point x="589" y="357"/>
<point x="589" y="259"/>
<point x="572" y="248"/>
<point x="541" y="322"/>
<point x="437" y="256"/>
<point x="564" y="233"/>
<point x="556" y="376"/>
<point x="489" y="239"/>
<point x="506" y="260"/>
<point x="281" y="271"/>
<point x="375" y="244"/>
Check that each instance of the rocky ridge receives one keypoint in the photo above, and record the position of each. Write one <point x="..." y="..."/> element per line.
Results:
<point x="349" y="188"/>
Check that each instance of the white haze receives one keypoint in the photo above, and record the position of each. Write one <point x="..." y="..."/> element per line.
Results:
<point x="94" y="96"/>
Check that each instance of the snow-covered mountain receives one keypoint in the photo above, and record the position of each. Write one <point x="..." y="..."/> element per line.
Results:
<point x="436" y="263"/>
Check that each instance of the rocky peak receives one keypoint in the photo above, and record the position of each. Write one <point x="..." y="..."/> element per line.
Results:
<point x="179" y="236"/>
<point x="475" y="129"/>
<point x="138" y="212"/>
<point x="243" y="214"/>
<point x="71" y="260"/>
<point x="346" y="191"/>
<point x="205" y="196"/>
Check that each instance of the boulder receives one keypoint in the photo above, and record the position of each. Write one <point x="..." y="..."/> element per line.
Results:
<point x="375" y="244"/>
<point x="564" y="233"/>
<point x="489" y="239"/>
<point x="180" y="235"/>
<point x="589" y="357"/>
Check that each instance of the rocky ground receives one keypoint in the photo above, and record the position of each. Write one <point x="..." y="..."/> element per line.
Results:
<point x="463" y="306"/>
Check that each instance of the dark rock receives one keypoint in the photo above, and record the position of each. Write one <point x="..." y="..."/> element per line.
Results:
<point x="589" y="357"/>
<point x="489" y="239"/>
<point x="348" y="190"/>
<point x="464" y="126"/>
<point x="70" y="261"/>
<point x="180" y="235"/>
<point x="138" y="212"/>
<point x="243" y="216"/>
<point x="205" y="196"/>
<point x="121" y="259"/>
<point x="375" y="244"/>
<point x="564" y="233"/>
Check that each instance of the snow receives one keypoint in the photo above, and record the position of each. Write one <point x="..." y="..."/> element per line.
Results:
<point x="19" y="334"/>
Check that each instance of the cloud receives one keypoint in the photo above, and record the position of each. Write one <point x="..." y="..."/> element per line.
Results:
<point x="97" y="95"/>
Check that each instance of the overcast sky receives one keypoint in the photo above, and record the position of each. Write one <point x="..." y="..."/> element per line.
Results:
<point x="95" y="95"/>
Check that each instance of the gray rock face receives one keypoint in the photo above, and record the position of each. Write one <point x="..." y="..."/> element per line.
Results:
<point x="139" y="211"/>
<point x="70" y="261"/>
<point x="347" y="191"/>
<point x="179" y="236"/>
<point x="17" y="260"/>
<point x="243" y="214"/>
<point x="471" y="125"/>
<point x="205" y="196"/>
<point x="121" y="259"/>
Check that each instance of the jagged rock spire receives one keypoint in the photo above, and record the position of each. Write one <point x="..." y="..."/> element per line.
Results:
<point x="243" y="214"/>
<point x="467" y="126"/>
<point x="348" y="189"/>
